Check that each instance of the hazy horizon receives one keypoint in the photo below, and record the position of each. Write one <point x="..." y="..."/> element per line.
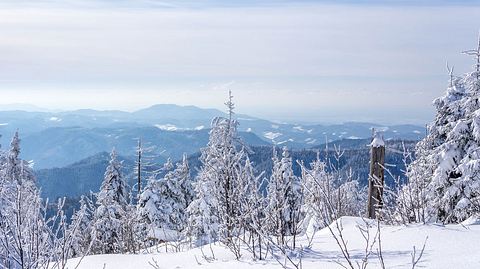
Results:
<point x="296" y="61"/>
<point x="33" y="108"/>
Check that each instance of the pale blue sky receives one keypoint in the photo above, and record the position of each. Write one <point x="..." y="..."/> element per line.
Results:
<point x="317" y="61"/>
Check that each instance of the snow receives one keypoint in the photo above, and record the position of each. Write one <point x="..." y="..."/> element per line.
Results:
<point x="298" y="128"/>
<point x="377" y="141"/>
<point x="249" y="130"/>
<point x="55" y="119"/>
<point x="3" y="124"/>
<point x="473" y="220"/>
<point x="172" y="127"/>
<point x="163" y="234"/>
<point x="382" y="129"/>
<point x="271" y="135"/>
<point x="445" y="249"/>
<point x="354" y="137"/>
<point x="166" y="127"/>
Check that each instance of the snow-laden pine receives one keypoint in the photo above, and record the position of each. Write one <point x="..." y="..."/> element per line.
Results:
<point x="111" y="211"/>
<point x="162" y="207"/>
<point x="218" y="183"/>
<point x="444" y="180"/>
<point x="284" y="198"/>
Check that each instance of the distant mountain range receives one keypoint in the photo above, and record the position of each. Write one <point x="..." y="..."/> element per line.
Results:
<point x="56" y="139"/>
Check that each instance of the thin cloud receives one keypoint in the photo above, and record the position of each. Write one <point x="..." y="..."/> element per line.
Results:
<point x="344" y="56"/>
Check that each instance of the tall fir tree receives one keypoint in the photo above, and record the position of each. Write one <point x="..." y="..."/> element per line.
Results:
<point x="203" y="221"/>
<point x="147" y="211"/>
<point x="220" y="170"/>
<point x="446" y="172"/>
<point x="112" y="202"/>
<point x="25" y="240"/>
<point x="81" y="228"/>
<point x="285" y="198"/>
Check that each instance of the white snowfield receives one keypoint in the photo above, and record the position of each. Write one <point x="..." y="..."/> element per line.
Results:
<point x="450" y="247"/>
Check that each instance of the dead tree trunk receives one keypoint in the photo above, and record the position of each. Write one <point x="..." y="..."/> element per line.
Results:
<point x="376" y="176"/>
<point x="139" y="169"/>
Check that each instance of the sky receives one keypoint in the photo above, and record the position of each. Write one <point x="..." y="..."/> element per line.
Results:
<point x="303" y="61"/>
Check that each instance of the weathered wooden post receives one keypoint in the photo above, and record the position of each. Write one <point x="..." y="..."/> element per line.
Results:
<point x="376" y="176"/>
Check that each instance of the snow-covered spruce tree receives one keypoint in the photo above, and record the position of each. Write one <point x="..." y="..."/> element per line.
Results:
<point x="318" y="207"/>
<point x="168" y="165"/>
<point x="412" y="202"/>
<point x="147" y="213"/>
<point x="25" y="238"/>
<point x="246" y="194"/>
<point x="203" y="222"/>
<point x="284" y="198"/>
<point x="161" y="211"/>
<point x="185" y="181"/>
<point x="252" y="207"/>
<point x="107" y="231"/>
<point x="447" y="167"/>
<point x="294" y="197"/>
<point x="276" y="200"/>
<point x="221" y="164"/>
<point x="173" y="192"/>
<point x="80" y="228"/>
<point x="132" y="242"/>
<point x="15" y="169"/>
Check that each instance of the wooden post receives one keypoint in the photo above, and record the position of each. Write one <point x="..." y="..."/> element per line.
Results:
<point x="376" y="176"/>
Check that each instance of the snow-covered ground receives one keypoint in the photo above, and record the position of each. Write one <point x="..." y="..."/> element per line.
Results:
<point x="450" y="246"/>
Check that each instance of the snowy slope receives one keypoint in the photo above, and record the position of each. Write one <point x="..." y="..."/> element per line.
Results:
<point x="451" y="246"/>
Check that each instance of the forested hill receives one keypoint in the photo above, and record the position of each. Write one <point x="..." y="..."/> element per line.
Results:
<point x="86" y="175"/>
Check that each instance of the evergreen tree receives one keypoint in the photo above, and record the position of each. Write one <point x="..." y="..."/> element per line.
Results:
<point x="221" y="165"/>
<point x="202" y="212"/>
<point x="111" y="210"/>
<point x="318" y="188"/>
<point x="185" y="182"/>
<point x="15" y="169"/>
<point x="285" y="198"/>
<point x="81" y="235"/>
<point x="25" y="238"/>
<point x="276" y="199"/>
<point x="172" y="201"/>
<point x="252" y="207"/>
<point x="161" y="211"/>
<point x="147" y="213"/>
<point x="293" y="195"/>
<point x="444" y="178"/>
